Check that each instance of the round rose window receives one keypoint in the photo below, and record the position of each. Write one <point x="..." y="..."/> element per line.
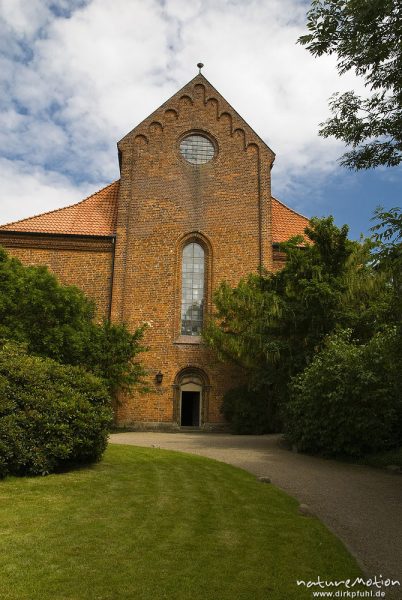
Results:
<point x="197" y="149"/>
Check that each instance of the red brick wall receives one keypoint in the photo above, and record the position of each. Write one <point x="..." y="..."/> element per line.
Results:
<point x="77" y="261"/>
<point x="165" y="200"/>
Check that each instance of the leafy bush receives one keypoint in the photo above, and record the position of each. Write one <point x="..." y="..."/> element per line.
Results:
<point x="248" y="411"/>
<point x="51" y="415"/>
<point x="348" y="401"/>
<point x="272" y="324"/>
<point x="57" y="321"/>
<point x="110" y="350"/>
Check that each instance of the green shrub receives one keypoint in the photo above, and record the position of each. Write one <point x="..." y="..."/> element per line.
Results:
<point x="57" y="321"/>
<point x="348" y="402"/>
<point x="51" y="415"/>
<point x="248" y="411"/>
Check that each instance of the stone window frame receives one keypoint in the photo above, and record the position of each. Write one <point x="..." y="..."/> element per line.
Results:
<point x="203" y="241"/>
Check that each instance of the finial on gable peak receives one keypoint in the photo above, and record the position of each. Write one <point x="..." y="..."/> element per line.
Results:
<point x="200" y="65"/>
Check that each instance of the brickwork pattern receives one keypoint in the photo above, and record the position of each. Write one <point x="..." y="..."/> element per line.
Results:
<point x="165" y="201"/>
<point x="86" y="263"/>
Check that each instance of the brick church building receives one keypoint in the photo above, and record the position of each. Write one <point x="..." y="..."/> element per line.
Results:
<point x="192" y="207"/>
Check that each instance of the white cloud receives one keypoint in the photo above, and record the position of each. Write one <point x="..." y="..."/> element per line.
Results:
<point x="71" y="87"/>
<point x="28" y="191"/>
<point x="24" y="18"/>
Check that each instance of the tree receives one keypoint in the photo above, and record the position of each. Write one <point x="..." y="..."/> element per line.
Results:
<point x="388" y="260"/>
<point x="347" y="401"/>
<point x="57" y="321"/>
<point x="273" y="324"/>
<point x="110" y="353"/>
<point x="388" y="236"/>
<point x="366" y="36"/>
<point x="321" y="334"/>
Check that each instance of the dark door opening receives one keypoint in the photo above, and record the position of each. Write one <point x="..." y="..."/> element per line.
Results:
<point x="190" y="409"/>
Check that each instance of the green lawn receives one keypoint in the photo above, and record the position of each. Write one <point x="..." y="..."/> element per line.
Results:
<point x="148" y="524"/>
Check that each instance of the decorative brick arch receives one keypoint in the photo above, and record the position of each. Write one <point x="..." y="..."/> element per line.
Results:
<point x="191" y="374"/>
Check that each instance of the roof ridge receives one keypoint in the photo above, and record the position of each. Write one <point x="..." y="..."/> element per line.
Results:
<point x="289" y="208"/>
<point x="55" y="210"/>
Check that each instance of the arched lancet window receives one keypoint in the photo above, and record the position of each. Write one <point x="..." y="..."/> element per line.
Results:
<point x="192" y="295"/>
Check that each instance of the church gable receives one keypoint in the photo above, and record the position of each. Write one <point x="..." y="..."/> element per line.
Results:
<point x="197" y="97"/>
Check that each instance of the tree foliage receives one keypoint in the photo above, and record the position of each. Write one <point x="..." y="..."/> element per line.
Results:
<point x="366" y="36"/>
<point x="321" y="339"/>
<point x="388" y="260"/>
<point x="249" y="411"/>
<point x="388" y="236"/>
<point x="273" y="324"/>
<point x="57" y="321"/>
<point x="347" y="402"/>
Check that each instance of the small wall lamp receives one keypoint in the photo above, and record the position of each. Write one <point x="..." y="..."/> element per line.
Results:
<point x="159" y="377"/>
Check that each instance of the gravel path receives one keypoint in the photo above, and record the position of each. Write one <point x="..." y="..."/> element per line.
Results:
<point x="361" y="505"/>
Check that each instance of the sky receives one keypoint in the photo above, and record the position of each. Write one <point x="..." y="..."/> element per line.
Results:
<point x="77" y="75"/>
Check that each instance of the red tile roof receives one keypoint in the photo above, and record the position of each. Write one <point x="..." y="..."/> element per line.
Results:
<point x="96" y="215"/>
<point x="286" y="222"/>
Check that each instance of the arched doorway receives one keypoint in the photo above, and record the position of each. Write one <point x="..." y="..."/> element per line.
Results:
<point x="190" y="401"/>
<point x="191" y="398"/>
